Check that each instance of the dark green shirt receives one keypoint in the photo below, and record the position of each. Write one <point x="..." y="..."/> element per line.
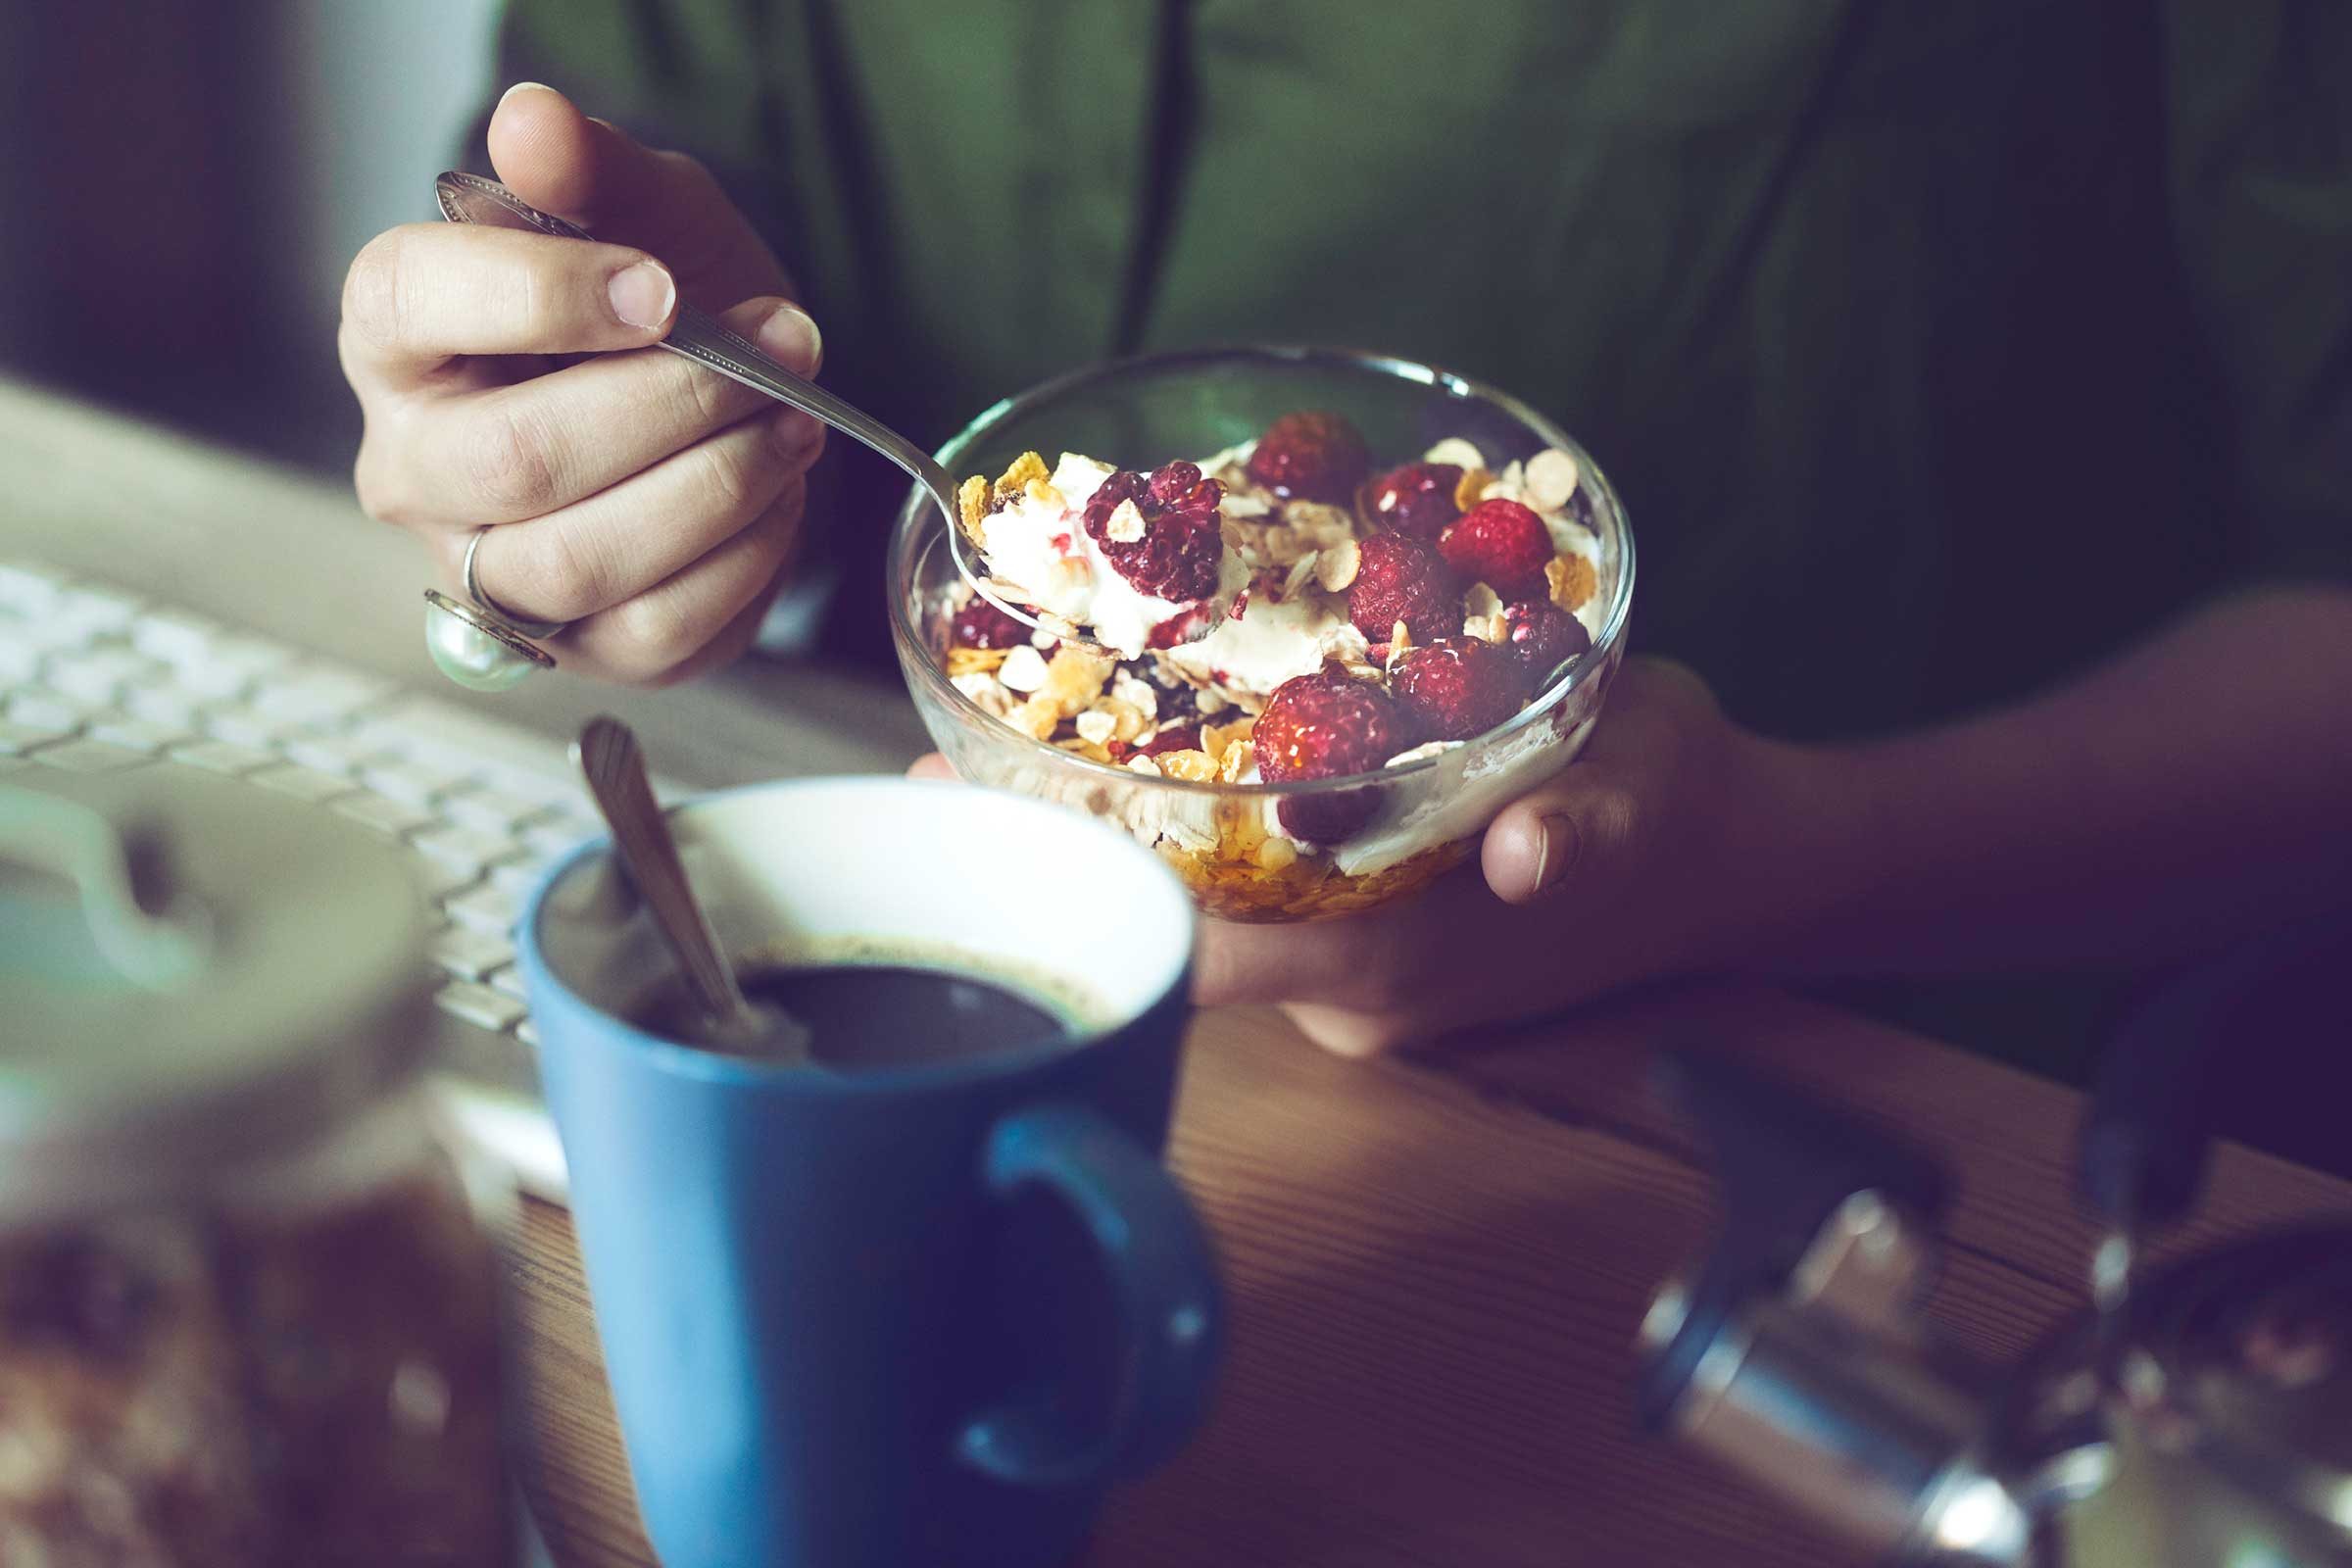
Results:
<point x="1936" y="348"/>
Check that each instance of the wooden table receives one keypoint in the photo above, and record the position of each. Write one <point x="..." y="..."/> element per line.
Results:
<point x="1437" y="1267"/>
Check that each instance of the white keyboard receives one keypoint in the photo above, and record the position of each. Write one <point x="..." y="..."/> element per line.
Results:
<point x="93" y="680"/>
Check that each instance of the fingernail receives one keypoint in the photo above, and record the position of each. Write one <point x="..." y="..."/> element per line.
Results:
<point x="790" y="334"/>
<point x="1557" y="845"/>
<point x="643" y="294"/>
<point x="523" y="86"/>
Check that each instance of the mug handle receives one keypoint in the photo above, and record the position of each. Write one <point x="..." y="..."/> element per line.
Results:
<point x="1170" y="1309"/>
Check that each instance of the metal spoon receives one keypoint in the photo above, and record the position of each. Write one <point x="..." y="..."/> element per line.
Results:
<point x="609" y="756"/>
<point x="485" y="648"/>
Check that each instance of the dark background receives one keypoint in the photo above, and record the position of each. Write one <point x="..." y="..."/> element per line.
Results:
<point x="184" y="183"/>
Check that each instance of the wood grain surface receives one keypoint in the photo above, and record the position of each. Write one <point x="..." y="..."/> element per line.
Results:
<point x="1437" y="1267"/>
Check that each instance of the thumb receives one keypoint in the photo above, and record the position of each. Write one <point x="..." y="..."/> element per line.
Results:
<point x="592" y="172"/>
<point x="1579" y="826"/>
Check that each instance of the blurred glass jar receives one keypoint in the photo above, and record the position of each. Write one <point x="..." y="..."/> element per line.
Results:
<point x="246" y="1313"/>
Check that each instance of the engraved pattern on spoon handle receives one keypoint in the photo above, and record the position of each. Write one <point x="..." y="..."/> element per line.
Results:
<point x="615" y="767"/>
<point x="699" y="336"/>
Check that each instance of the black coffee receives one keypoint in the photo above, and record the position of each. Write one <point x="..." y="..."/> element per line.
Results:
<point x="867" y="1017"/>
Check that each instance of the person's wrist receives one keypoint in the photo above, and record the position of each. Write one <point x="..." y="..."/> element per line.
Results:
<point x="1780" y="857"/>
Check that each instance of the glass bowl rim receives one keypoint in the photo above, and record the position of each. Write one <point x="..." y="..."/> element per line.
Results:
<point x="919" y="507"/>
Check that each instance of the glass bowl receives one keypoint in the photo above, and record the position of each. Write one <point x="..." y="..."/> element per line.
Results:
<point x="1225" y="840"/>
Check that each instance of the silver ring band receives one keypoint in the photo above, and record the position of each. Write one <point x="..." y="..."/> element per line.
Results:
<point x="491" y="607"/>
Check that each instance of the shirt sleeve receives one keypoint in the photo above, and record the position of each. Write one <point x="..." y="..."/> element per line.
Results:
<point x="2259" y="118"/>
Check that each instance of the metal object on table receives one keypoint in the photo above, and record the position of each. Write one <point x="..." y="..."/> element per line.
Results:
<point x="484" y="648"/>
<point x="2199" y="1414"/>
<point x="608" y="755"/>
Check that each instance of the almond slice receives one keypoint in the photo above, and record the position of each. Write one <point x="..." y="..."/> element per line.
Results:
<point x="1300" y="571"/>
<point x="1236" y="761"/>
<point x="1097" y="727"/>
<point x="1552" y="477"/>
<point x="1456" y="451"/>
<point x="1125" y="524"/>
<point x="1144" y="765"/>
<point x="1337" y="565"/>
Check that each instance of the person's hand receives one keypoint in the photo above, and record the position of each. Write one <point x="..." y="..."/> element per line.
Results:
<point x="649" y="502"/>
<point x="1639" y="861"/>
<point x="1629" y="865"/>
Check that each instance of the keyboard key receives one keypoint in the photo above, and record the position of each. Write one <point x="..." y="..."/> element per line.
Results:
<point x="439" y="877"/>
<point x="175" y="638"/>
<point x="166" y="704"/>
<point x="231" y="664"/>
<point x="469" y="851"/>
<point x="20" y="656"/>
<point x="472" y="955"/>
<point x="141" y="735"/>
<point x="485" y="909"/>
<point x="431" y="730"/>
<point x="342" y="755"/>
<point x="47" y="710"/>
<point x="488" y="809"/>
<point x="545" y="840"/>
<point x="417" y="783"/>
<point x="85" y="756"/>
<point x="518" y="877"/>
<point x="509" y="981"/>
<point x="317" y="696"/>
<point x="97" y="609"/>
<point x="224" y="756"/>
<point x="479" y="1005"/>
<point x="101" y="674"/>
<point x="389" y="817"/>
<point x="247" y="726"/>
<point x="27" y="588"/>
<point x="302" y="783"/>
<point x="18" y="739"/>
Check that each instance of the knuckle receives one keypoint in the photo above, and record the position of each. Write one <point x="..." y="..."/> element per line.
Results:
<point x="739" y="475"/>
<point x="655" y="635"/>
<point x="558" y="575"/>
<point x="505" y="466"/>
<point x="371" y="290"/>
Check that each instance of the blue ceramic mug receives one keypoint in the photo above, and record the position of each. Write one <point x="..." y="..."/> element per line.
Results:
<point x="919" y="1314"/>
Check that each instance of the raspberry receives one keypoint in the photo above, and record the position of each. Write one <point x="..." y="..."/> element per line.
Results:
<point x="1502" y="544"/>
<point x="981" y="624"/>
<point x="1326" y="726"/>
<point x="1543" y="636"/>
<point x="1416" y="499"/>
<point x="1178" y="556"/>
<point x="1189" y="626"/>
<point x="1397" y="578"/>
<point x="1310" y="456"/>
<point x="1458" y="688"/>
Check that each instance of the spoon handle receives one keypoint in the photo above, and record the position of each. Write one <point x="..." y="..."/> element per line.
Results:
<point x="614" y="767"/>
<point x="699" y="336"/>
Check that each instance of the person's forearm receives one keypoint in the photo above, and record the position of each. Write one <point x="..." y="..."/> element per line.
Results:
<point x="2197" y="787"/>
